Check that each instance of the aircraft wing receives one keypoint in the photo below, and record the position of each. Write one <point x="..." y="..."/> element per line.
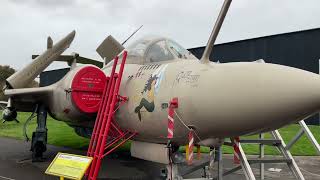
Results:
<point x="79" y="59"/>
<point x="23" y="77"/>
<point x="24" y="99"/>
<point x="108" y="49"/>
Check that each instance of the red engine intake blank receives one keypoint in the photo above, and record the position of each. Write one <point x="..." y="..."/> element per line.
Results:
<point x="87" y="87"/>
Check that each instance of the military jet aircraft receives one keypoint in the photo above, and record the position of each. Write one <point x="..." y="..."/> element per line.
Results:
<point x="218" y="100"/>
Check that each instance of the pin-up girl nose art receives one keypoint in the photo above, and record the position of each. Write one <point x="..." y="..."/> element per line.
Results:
<point x="147" y="100"/>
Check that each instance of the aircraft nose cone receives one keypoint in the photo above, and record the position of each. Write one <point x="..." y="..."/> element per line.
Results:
<point x="240" y="98"/>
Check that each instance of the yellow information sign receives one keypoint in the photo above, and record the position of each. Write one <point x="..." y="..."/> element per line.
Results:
<point x="69" y="166"/>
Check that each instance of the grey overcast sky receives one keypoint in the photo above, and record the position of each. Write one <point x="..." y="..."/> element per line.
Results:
<point x="25" y="24"/>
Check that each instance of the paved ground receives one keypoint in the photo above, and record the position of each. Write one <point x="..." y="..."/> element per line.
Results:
<point x="15" y="163"/>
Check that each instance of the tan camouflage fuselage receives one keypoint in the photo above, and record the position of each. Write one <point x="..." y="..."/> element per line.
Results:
<point x="218" y="100"/>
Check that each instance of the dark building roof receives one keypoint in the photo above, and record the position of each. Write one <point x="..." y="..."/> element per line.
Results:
<point x="50" y="77"/>
<point x="300" y="49"/>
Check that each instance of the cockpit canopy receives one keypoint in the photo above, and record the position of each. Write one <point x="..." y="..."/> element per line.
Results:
<point x="150" y="50"/>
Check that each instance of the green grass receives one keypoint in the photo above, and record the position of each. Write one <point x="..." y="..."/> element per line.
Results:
<point x="60" y="134"/>
<point x="302" y="148"/>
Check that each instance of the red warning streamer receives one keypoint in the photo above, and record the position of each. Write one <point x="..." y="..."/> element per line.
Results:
<point x="190" y="147"/>
<point x="236" y="150"/>
<point x="172" y="106"/>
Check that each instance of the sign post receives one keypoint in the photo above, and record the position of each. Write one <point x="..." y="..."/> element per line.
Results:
<point x="69" y="166"/>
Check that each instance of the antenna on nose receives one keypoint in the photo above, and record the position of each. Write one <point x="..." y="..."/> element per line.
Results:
<point x="215" y="31"/>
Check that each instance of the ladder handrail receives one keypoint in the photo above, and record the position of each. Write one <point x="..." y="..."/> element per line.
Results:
<point x="100" y="141"/>
<point x="102" y="106"/>
<point x="105" y="125"/>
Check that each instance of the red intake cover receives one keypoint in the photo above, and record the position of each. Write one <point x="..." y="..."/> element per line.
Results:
<point x="87" y="86"/>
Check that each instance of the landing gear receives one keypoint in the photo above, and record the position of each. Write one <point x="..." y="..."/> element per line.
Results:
<point x="175" y="158"/>
<point x="176" y="169"/>
<point x="39" y="137"/>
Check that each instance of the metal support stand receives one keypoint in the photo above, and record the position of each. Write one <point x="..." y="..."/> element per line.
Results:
<point x="172" y="168"/>
<point x="286" y="153"/>
<point x="39" y="137"/>
<point x="176" y="169"/>
<point x="304" y="130"/>
<point x="220" y="163"/>
<point x="212" y="160"/>
<point x="261" y="149"/>
<point x="277" y="142"/>
<point x="173" y="172"/>
<point x="245" y="165"/>
<point x="292" y="165"/>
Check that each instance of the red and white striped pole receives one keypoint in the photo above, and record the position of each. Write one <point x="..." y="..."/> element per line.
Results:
<point x="172" y="106"/>
<point x="190" y="147"/>
<point x="236" y="150"/>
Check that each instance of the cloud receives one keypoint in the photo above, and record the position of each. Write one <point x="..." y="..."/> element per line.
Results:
<point x="44" y="3"/>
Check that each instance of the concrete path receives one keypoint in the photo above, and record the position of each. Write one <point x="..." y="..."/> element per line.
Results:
<point x="15" y="164"/>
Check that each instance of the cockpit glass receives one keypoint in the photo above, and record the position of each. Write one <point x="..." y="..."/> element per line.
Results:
<point x="158" y="52"/>
<point x="137" y="49"/>
<point x="155" y="49"/>
<point x="179" y="50"/>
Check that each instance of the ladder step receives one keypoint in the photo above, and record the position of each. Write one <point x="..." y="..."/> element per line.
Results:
<point x="271" y="142"/>
<point x="269" y="160"/>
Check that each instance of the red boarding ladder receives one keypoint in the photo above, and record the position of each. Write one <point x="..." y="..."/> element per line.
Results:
<point x="107" y="136"/>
